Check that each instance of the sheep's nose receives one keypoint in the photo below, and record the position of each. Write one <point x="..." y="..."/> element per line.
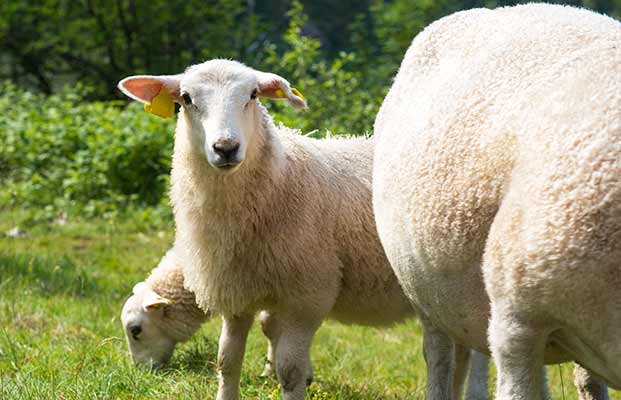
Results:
<point x="226" y="148"/>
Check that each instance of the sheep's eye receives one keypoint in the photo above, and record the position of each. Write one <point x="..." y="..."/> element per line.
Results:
<point x="253" y="95"/>
<point x="135" y="331"/>
<point x="186" y="99"/>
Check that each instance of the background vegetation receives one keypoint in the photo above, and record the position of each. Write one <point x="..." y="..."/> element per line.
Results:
<point x="84" y="175"/>
<point x="68" y="139"/>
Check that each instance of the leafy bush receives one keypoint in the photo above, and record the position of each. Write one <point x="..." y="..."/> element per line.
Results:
<point x="342" y="95"/>
<point x="62" y="153"/>
<point x="59" y="152"/>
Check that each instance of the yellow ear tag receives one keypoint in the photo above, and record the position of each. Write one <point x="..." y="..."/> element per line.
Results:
<point x="162" y="105"/>
<point x="164" y="299"/>
<point x="297" y="93"/>
<point x="280" y="94"/>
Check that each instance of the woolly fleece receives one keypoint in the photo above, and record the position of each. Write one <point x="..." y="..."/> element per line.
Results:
<point x="499" y="144"/>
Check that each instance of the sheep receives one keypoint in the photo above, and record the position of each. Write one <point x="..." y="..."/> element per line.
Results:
<point x="160" y="313"/>
<point x="268" y="219"/>
<point x="496" y="188"/>
<point x="154" y="323"/>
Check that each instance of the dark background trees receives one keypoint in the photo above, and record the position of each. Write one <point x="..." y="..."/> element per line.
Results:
<point x="45" y="44"/>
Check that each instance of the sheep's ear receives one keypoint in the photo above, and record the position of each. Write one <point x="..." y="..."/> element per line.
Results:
<point x="139" y="287"/>
<point x="153" y="301"/>
<point x="273" y="86"/>
<point x="144" y="88"/>
<point x="157" y="92"/>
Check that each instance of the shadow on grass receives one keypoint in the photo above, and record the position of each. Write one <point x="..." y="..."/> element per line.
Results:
<point x="198" y="356"/>
<point x="46" y="276"/>
<point x="344" y="391"/>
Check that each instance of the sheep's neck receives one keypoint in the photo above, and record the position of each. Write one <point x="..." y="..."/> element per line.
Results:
<point x="224" y="221"/>
<point x="181" y="321"/>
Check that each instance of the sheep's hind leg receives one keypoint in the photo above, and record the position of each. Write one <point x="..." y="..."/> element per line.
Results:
<point x="293" y="356"/>
<point x="517" y="350"/>
<point x="271" y="330"/>
<point x="462" y="360"/>
<point x="588" y="388"/>
<point x="231" y="355"/>
<point x="438" y="351"/>
<point x="478" y="376"/>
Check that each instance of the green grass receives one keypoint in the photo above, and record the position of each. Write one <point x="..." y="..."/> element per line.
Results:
<point x="61" y="292"/>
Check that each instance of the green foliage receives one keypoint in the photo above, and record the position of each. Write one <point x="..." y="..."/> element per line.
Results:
<point x="341" y="98"/>
<point x="59" y="152"/>
<point x="396" y="21"/>
<point x="64" y="154"/>
<point x="47" y="43"/>
<point x="75" y="150"/>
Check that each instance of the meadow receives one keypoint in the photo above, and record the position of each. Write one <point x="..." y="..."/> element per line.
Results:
<point x="84" y="176"/>
<point x="62" y="286"/>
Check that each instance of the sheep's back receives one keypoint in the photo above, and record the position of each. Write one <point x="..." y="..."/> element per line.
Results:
<point x="370" y="293"/>
<point x="448" y="137"/>
<point x="336" y="176"/>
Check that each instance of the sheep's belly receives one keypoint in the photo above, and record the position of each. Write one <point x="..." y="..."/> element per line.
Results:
<point x="601" y="364"/>
<point x="454" y="302"/>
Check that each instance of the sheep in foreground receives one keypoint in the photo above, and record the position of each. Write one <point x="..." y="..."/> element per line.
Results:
<point x="497" y="173"/>
<point x="269" y="220"/>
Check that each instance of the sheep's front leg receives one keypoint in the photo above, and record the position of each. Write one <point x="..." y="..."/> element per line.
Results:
<point x="438" y="353"/>
<point x="588" y="388"/>
<point x="231" y="354"/>
<point x="293" y="356"/>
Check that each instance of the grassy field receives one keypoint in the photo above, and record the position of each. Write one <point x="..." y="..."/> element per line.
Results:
<point x="61" y="291"/>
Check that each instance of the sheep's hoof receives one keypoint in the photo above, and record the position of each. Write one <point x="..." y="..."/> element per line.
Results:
<point x="268" y="370"/>
<point x="309" y="381"/>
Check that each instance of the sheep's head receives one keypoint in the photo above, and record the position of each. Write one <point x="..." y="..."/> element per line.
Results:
<point x="148" y="343"/>
<point x="218" y="98"/>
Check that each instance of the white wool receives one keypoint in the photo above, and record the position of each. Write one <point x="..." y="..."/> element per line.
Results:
<point x="152" y="330"/>
<point x="497" y="173"/>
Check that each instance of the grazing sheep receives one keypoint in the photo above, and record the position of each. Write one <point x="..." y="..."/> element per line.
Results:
<point x="154" y="323"/>
<point x="160" y="314"/>
<point x="497" y="173"/>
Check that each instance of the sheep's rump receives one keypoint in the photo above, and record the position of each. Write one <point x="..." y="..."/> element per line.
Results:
<point x="521" y="103"/>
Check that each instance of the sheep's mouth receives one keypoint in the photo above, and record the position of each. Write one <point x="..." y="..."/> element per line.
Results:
<point x="226" y="167"/>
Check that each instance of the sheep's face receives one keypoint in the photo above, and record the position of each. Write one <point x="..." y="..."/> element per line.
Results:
<point x="147" y="341"/>
<point x="219" y="105"/>
<point x="220" y="110"/>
